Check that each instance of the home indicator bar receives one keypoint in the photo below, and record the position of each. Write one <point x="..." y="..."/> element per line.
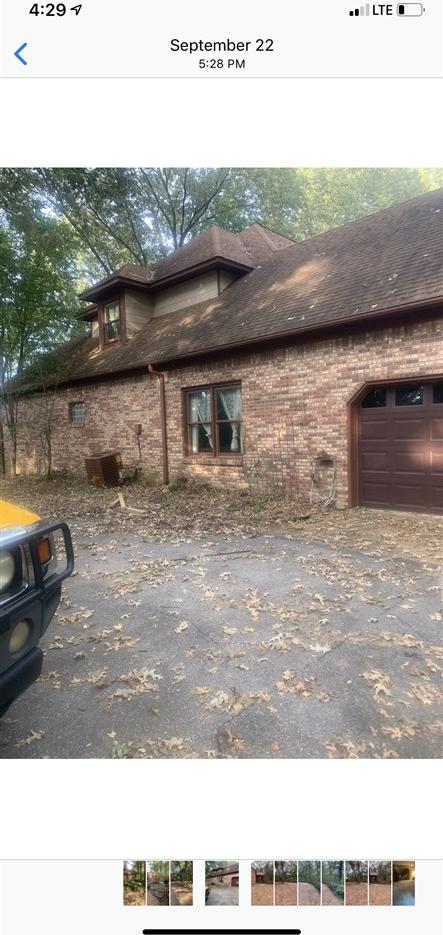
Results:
<point x="223" y="931"/>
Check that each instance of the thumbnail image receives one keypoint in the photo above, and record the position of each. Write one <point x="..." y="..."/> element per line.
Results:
<point x="380" y="880"/>
<point x="181" y="882"/>
<point x="332" y="883"/>
<point x="309" y="882"/>
<point x="157" y="882"/>
<point x="221" y="883"/>
<point x="134" y="883"/>
<point x="356" y="892"/>
<point x="262" y="883"/>
<point x="403" y="889"/>
<point x="285" y="883"/>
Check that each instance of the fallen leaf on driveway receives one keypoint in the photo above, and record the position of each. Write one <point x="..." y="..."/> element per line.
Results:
<point x="33" y="736"/>
<point x="181" y="627"/>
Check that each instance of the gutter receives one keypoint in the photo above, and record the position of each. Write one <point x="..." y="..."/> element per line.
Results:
<point x="165" y="461"/>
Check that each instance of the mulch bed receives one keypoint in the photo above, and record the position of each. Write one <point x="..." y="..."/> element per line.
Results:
<point x="285" y="894"/>
<point x="356" y="894"/>
<point x="262" y="894"/>
<point x="192" y="511"/>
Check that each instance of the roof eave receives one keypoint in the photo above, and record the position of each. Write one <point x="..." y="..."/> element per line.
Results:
<point x="101" y="290"/>
<point x="302" y="332"/>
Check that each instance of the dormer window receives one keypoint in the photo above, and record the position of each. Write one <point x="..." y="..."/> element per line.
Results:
<point x="112" y="322"/>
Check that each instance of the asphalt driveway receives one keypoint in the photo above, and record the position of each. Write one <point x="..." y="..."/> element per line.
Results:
<point x="258" y="645"/>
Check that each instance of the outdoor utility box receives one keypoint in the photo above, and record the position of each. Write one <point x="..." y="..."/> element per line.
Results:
<point x="103" y="470"/>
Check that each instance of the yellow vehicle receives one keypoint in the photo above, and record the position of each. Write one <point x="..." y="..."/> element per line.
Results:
<point x="35" y="557"/>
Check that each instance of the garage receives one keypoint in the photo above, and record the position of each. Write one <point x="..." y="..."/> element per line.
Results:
<point x="400" y="446"/>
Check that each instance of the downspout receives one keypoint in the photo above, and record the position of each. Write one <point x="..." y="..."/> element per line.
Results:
<point x="161" y="377"/>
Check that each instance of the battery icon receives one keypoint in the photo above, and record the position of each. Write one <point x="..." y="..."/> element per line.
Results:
<point x="410" y="9"/>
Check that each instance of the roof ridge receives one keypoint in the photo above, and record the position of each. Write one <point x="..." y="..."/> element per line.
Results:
<point x="264" y="229"/>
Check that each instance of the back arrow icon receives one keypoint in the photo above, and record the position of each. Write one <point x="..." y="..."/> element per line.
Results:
<point x="17" y="54"/>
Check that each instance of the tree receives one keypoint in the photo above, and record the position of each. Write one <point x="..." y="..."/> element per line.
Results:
<point x="117" y="216"/>
<point x="37" y="303"/>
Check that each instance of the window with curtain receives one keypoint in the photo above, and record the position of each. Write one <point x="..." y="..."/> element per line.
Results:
<point x="214" y="416"/>
<point x="111" y="323"/>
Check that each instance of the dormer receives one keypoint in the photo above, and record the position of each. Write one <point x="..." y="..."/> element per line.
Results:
<point x="196" y="272"/>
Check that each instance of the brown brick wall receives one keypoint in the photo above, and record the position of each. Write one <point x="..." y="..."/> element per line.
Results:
<point x="294" y="407"/>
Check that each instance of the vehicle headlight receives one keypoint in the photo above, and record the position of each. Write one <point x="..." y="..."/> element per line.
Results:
<point x="7" y="570"/>
<point x="19" y="636"/>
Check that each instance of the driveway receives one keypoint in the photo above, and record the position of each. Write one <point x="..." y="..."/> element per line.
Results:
<point x="270" y="644"/>
<point x="223" y="896"/>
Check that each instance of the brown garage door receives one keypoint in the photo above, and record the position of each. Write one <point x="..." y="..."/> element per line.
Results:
<point x="401" y="447"/>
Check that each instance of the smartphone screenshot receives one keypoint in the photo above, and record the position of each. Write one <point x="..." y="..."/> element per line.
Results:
<point x="221" y="467"/>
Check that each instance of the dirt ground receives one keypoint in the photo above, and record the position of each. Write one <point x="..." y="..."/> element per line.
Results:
<point x="356" y="894"/>
<point x="134" y="898"/>
<point x="285" y="894"/>
<point x="308" y="895"/>
<point x="181" y="894"/>
<point x="262" y="894"/>
<point x="379" y="894"/>
<point x="151" y="900"/>
<point x="328" y="898"/>
<point x="217" y="625"/>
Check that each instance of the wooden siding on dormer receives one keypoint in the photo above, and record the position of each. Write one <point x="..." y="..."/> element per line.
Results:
<point x="185" y="294"/>
<point x="138" y="311"/>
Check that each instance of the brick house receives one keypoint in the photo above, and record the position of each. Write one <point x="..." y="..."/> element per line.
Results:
<point x="249" y="360"/>
<point x="223" y="876"/>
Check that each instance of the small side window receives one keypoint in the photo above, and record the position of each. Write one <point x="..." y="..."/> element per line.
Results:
<point x="409" y="395"/>
<point x="112" y="322"/>
<point x="437" y="393"/>
<point x="375" y="398"/>
<point x="77" y="413"/>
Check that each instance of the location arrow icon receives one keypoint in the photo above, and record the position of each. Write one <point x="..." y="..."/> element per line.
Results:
<point x="17" y="54"/>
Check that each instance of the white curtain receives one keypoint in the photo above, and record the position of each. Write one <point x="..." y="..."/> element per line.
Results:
<point x="200" y="411"/>
<point x="231" y="402"/>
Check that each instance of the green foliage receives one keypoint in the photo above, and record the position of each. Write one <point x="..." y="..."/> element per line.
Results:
<point x="286" y="871"/>
<point x="356" y="871"/>
<point x="134" y="872"/>
<point x="337" y="889"/>
<point x="332" y="872"/>
<point x="37" y="296"/>
<point x="181" y="871"/>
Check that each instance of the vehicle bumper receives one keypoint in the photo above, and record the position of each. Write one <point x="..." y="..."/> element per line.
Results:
<point x="20" y="676"/>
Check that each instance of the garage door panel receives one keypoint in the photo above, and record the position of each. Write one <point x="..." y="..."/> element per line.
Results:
<point x="401" y="454"/>
<point x="408" y="429"/>
<point x="375" y="430"/>
<point x="436" y="463"/>
<point x="375" y="461"/>
<point x="437" y="429"/>
<point x="375" y="493"/>
<point x="413" y="496"/>
<point x="414" y="460"/>
<point x="437" y="499"/>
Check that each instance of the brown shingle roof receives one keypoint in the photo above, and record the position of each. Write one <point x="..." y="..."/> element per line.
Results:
<point x="385" y="261"/>
<point x="247" y="249"/>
